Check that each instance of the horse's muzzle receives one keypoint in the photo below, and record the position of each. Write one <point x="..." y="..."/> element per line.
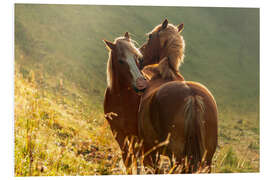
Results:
<point x="139" y="91"/>
<point x="141" y="85"/>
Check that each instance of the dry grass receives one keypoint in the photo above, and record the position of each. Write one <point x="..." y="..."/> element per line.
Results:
<point x="53" y="137"/>
<point x="56" y="136"/>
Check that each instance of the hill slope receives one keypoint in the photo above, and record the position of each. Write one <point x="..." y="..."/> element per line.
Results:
<point x="61" y="48"/>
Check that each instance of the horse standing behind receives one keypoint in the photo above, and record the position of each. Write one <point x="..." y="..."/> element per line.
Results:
<point x="186" y="110"/>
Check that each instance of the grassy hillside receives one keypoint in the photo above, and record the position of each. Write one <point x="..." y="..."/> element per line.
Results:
<point x="59" y="55"/>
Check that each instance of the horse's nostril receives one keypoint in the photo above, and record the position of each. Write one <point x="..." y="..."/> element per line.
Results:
<point x="140" y="63"/>
<point x="139" y="91"/>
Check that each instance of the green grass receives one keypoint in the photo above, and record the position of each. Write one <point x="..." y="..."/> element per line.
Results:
<point x="60" y="79"/>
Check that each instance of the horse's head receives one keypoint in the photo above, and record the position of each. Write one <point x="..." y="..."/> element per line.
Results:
<point x="164" y="41"/>
<point x="124" y="61"/>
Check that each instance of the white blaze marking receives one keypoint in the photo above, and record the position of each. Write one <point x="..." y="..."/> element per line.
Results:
<point x="134" y="70"/>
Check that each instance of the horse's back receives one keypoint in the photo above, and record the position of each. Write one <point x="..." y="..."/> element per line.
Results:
<point x="182" y="89"/>
<point x="170" y="100"/>
<point x="173" y="94"/>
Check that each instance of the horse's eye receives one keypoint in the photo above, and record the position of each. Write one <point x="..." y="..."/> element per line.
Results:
<point x="150" y="36"/>
<point x="121" y="61"/>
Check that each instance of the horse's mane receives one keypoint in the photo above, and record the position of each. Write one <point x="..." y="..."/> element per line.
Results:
<point x="174" y="44"/>
<point x="163" y="70"/>
<point x="109" y="70"/>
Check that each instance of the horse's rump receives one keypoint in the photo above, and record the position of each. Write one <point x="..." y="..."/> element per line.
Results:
<point x="188" y="111"/>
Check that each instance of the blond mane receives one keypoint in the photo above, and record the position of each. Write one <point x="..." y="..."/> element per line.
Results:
<point x="173" y="43"/>
<point x="109" y="71"/>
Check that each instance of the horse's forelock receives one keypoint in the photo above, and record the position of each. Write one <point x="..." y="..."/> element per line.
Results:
<point x="121" y="44"/>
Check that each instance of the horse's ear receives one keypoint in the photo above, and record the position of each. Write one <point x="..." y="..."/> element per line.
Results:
<point x="163" y="65"/>
<point x="127" y="35"/>
<point x="180" y="28"/>
<point x="165" y="24"/>
<point x="165" y="70"/>
<point x="109" y="44"/>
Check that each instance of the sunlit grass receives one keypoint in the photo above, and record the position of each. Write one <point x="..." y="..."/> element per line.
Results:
<point x="55" y="137"/>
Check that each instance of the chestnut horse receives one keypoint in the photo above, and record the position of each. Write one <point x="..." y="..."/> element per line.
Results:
<point x="121" y="102"/>
<point x="184" y="109"/>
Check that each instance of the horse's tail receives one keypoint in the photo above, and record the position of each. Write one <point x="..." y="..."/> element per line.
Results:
<point x="194" y="129"/>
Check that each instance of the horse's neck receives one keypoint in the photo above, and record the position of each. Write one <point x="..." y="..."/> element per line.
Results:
<point x="125" y="103"/>
<point x="119" y="85"/>
<point x="122" y="93"/>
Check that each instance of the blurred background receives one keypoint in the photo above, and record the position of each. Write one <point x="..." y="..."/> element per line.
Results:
<point x="60" y="79"/>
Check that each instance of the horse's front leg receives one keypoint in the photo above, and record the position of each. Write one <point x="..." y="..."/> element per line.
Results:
<point x="126" y="145"/>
